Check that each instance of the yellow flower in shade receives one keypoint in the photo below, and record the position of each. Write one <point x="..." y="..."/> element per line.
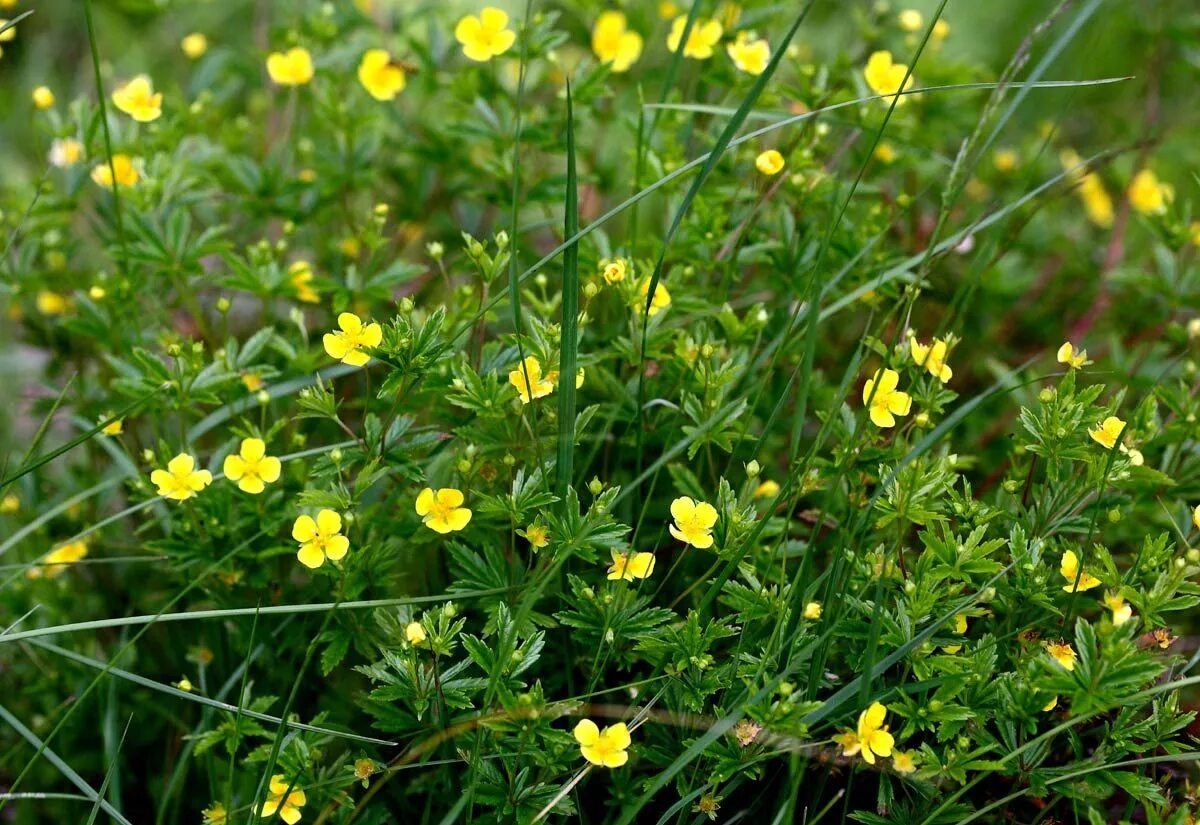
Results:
<point x="320" y="538"/>
<point x="115" y="427"/>
<point x="749" y="56"/>
<point x="702" y="39"/>
<point x="848" y="741"/>
<point x="127" y="173"/>
<point x="252" y="381"/>
<point x="910" y="20"/>
<point x="1163" y="638"/>
<point x="346" y="345"/>
<point x="1108" y="432"/>
<point x="903" y="762"/>
<point x="215" y="814"/>
<point x="184" y="684"/>
<point x="1121" y="610"/>
<point x="43" y="98"/>
<point x="1070" y="571"/>
<point x="662" y="298"/>
<point x="1096" y="200"/>
<point x="1147" y="195"/>
<point x="1195" y="517"/>
<point x="812" y="611"/>
<point x="885" y="77"/>
<point x="1051" y="705"/>
<point x="51" y="303"/>
<point x="57" y="560"/>
<point x="873" y="736"/>
<point x="97" y="292"/>
<point x="8" y="34"/>
<point x="529" y="381"/>
<point x="538" y="535"/>
<point x="291" y="68"/>
<point x="886" y="401"/>
<point x="1073" y="358"/>
<point x="694" y="522"/>
<point x="885" y="153"/>
<point x="364" y="769"/>
<point x="932" y="358"/>
<point x="768" y="489"/>
<point x="194" y="45"/>
<point x="415" y="633"/>
<point x="1005" y="160"/>
<point x="442" y="510"/>
<point x="941" y="30"/>
<point x="181" y="480"/>
<point x="10" y="504"/>
<point x="769" y="162"/>
<point x="65" y="152"/>
<point x="614" y="271"/>
<point x="300" y="276"/>
<point x="380" y="76"/>
<point x="1062" y="653"/>
<point x="280" y="801"/>
<point x="1194" y="229"/>
<point x="138" y="100"/>
<point x="614" y="42"/>
<point x="960" y="627"/>
<point x="630" y="566"/>
<point x="667" y="9"/>
<point x="485" y="36"/>
<point x="604" y="748"/>
<point x="252" y="468"/>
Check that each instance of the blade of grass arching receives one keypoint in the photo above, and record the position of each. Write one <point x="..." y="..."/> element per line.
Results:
<point x="53" y="512"/>
<point x="43" y="428"/>
<point x="568" y="357"/>
<point x="10" y="24"/>
<point x="108" y="146"/>
<point x="111" y="774"/>
<point x="62" y="767"/>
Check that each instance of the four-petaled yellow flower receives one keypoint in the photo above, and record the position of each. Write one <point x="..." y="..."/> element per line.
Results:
<point x="300" y="276"/>
<point x="181" y="480"/>
<point x="442" y="510"/>
<point x="885" y="76"/>
<point x="1108" y="432"/>
<point x="1070" y="571"/>
<point x="1073" y="358"/>
<point x="43" y="98"/>
<point x="769" y="162"/>
<point x="932" y="357"/>
<point x="65" y="152"/>
<point x="127" y="173"/>
<point x="604" y="748"/>
<point x="812" y="611"/>
<point x="1121" y="609"/>
<point x="615" y="271"/>
<point x="346" y="345"/>
<point x="320" y="538"/>
<point x="415" y="633"/>
<point x="630" y="566"/>
<point x="661" y="300"/>
<point x="291" y="68"/>
<point x="694" y="522"/>
<point x="749" y="56"/>
<point x="873" y="736"/>
<point x="288" y="805"/>
<point x="380" y="76"/>
<point x="485" y="36"/>
<point x="614" y="42"/>
<point x="252" y="468"/>
<point x="138" y="99"/>
<point x="1062" y="653"/>
<point x="57" y="560"/>
<point x="194" y="45"/>
<point x="702" y="39"/>
<point x="538" y="535"/>
<point x="529" y="381"/>
<point x="885" y="400"/>
<point x="1149" y="196"/>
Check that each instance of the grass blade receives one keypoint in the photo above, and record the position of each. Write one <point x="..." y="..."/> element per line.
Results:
<point x="568" y="357"/>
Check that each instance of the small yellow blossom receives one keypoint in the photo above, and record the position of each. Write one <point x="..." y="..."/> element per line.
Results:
<point x="885" y="152"/>
<point x="97" y="292"/>
<point x="364" y="769"/>
<point x="1062" y="653"/>
<point x="615" y="271"/>
<point x="8" y="34"/>
<point x="442" y="510"/>
<point x="291" y="68"/>
<point x="614" y="42"/>
<point x="10" y="504"/>
<point x="380" y="76"/>
<point x="910" y="20"/>
<point x="941" y="30"/>
<point x="43" y="98"/>
<point x="1195" y="517"/>
<point x="1005" y="160"/>
<point x="300" y="276"/>
<point x="903" y="762"/>
<point x="215" y="814"/>
<point x="960" y="627"/>
<point x="848" y="741"/>
<point x="812" y="611"/>
<point x="1163" y="638"/>
<point x="887" y="401"/>
<point x="538" y="535"/>
<point x="1194" y="229"/>
<point x="57" y="560"/>
<point x="529" y="382"/>
<point x="1073" y="358"/>
<point x="662" y="298"/>
<point x="1069" y="568"/>
<point x="667" y="9"/>
<point x="1121" y="610"/>
<point x="65" y="152"/>
<point x="287" y="806"/>
<point x="1096" y="200"/>
<point x="768" y="489"/>
<point x="51" y="303"/>
<point x="138" y="99"/>
<point x="749" y="56"/>
<point x="873" y="736"/>
<point x="184" y="684"/>
<point x="630" y="566"/>
<point x="347" y="344"/>
<point x="181" y="480"/>
<point x="1147" y="195"/>
<point x="746" y="731"/>
<point x="885" y="76"/>
<point x="769" y="162"/>
<point x="702" y="39"/>
<point x="415" y="633"/>
<point x="1051" y="705"/>
<point x="694" y="522"/>
<point x="604" y="748"/>
<point x="1108" y="432"/>
<point x="252" y="468"/>
<point x="485" y="36"/>
<point x="320" y="538"/>
<point x="252" y="381"/>
<point x="127" y="173"/>
<point x="114" y="427"/>
<point x="1134" y="455"/>
<point x="932" y="357"/>
<point x="194" y="45"/>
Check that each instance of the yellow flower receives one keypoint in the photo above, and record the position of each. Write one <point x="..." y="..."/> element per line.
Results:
<point x="364" y="769"/>
<point x="8" y="34"/>
<point x="57" y="560"/>
<point x="1194" y="229"/>
<point x="630" y="566"/>
<point x="51" y="303"/>
<point x="1147" y="195"/>
<point x="252" y="381"/>
<point x="138" y="100"/>
<point x="181" y="480"/>
<point x="614" y="271"/>
<point x="873" y="736"/>
<point x="910" y="20"/>
<point x="885" y="77"/>
<point x="116" y="427"/>
<point x="346" y="345"/>
<point x="485" y="36"/>
<point x="320" y="538"/>
<point x="604" y="748"/>
<point x="1062" y="653"/>
<point x="848" y="741"/>
<point x="1108" y="432"/>
<point x="97" y="292"/>
<point x="1121" y="610"/>
<point x="702" y="39"/>
<point x="291" y="68"/>
<point x="768" y="489"/>
<point x="442" y="510"/>
<point x="614" y="42"/>
<point x="1070" y="571"/>
<point x="667" y="9"/>
<point x="932" y="358"/>
<point x="184" y="684"/>
<point x="10" y="504"/>
<point x="538" y="535"/>
<point x="1195" y="516"/>
<point x="1073" y="358"/>
<point x="1051" y="705"/>
<point x="769" y="162"/>
<point x="288" y="807"/>
<point x="43" y="98"/>
<point x="662" y="298"/>
<point x="65" y="152"/>
<point x="941" y="30"/>
<point x="886" y="401"/>
<point x="885" y="152"/>
<point x="1096" y="201"/>
<point x="300" y="276"/>
<point x="1005" y="160"/>
<point x="812" y="611"/>
<point x="749" y="56"/>
<point x="903" y="762"/>
<point x="536" y="386"/>
<point x="215" y="814"/>
<point x="694" y="521"/>
<point x="127" y="173"/>
<point x="415" y="633"/>
<point x="252" y="468"/>
<point x="194" y="45"/>
<point x="382" y="78"/>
